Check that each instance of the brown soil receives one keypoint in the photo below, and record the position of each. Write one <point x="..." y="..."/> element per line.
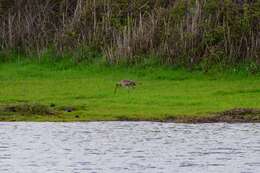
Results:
<point x="237" y="115"/>
<point x="27" y="109"/>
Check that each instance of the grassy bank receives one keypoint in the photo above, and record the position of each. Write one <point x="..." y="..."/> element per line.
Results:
<point x="33" y="92"/>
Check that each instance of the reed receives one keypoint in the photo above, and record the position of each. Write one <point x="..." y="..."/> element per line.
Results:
<point x="179" y="32"/>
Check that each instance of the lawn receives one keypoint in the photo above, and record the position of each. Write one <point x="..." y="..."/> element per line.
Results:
<point x="86" y="93"/>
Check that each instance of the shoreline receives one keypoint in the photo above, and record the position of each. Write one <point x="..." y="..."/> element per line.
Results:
<point x="42" y="113"/>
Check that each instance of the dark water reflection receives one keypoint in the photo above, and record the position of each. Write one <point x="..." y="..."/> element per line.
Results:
<point x="129" y="147"/>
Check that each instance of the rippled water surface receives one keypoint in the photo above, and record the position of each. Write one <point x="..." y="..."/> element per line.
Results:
<point x="132" y="147"/>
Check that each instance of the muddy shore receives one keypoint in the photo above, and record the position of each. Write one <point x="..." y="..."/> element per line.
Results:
<point x="38" y="112"/>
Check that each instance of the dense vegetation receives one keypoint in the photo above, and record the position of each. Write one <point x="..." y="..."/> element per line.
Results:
<point x="182" y="32"/>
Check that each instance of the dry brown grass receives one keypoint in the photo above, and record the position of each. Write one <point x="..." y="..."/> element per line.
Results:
<point x="183" y="32"/>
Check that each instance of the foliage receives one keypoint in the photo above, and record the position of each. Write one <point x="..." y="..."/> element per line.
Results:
<point x="179" y="32"/>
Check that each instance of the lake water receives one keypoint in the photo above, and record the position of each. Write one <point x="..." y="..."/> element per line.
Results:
<point x="130" y="147"/>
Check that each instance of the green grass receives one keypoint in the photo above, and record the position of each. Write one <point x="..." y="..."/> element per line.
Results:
<point x="161" y="92"/>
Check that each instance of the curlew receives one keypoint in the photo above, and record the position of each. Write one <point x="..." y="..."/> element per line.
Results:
<point x="125" y="84"/>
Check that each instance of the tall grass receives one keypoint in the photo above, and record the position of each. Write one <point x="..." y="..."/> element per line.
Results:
<point x="188" y="33"/>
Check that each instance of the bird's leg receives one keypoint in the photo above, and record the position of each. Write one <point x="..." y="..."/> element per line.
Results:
<point x="115" y="89"/>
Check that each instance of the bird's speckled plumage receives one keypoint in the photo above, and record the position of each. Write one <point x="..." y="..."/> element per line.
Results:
<point x="126" y="84"/>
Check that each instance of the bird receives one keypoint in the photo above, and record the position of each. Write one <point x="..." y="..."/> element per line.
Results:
<point x="125" y="84"/>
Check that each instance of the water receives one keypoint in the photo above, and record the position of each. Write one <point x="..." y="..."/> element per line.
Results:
<point x="144" y="147"/>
